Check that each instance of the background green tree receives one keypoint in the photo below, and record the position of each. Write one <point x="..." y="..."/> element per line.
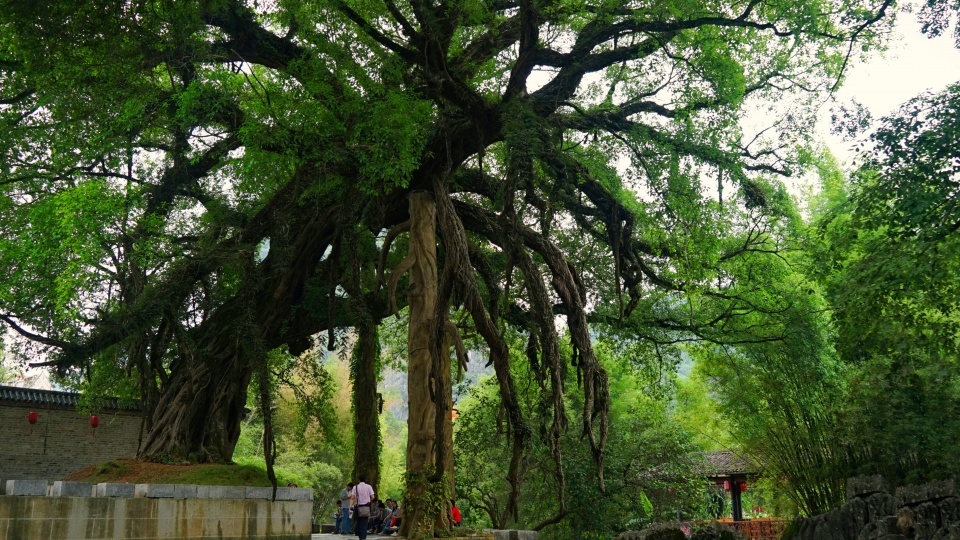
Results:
<point x="890" y="248"/>
<point x="651" y="462"/>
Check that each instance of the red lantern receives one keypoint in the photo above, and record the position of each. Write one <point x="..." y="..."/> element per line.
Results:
<point x="726" y="485"/>
<point x="743" y="487"/>
<point x="94" y="422"/>
<point x="32" y="417"/>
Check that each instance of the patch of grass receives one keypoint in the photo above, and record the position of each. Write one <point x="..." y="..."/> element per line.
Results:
<point x="110" y="471"/>
<point x="137" y="472"/>
<point x="218" y="475"/>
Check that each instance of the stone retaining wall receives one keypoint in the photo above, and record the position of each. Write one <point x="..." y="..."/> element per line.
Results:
<point x="40" y="510"/>
<point x="927" y="512"/>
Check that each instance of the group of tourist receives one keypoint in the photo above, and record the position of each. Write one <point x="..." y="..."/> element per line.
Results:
<point x="360" y="512"/>
<point x="389" y="515"/>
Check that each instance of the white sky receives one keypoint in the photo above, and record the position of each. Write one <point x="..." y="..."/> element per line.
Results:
<point x="912" y="64"/>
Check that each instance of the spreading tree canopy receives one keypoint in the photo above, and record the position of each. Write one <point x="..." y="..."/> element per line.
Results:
<point x="188" y="185"/>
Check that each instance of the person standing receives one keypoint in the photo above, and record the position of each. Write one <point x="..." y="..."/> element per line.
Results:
<point x="346" y="503"/>
<point x="363" y="494"/>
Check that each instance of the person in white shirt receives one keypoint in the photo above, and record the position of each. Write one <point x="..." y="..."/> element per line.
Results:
<point x="363" y="495"/>
<point x="346" y="502"/>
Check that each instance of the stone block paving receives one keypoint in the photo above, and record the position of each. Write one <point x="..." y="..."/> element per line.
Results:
<point x="494" y="534"/>
<point x="344" y="537"/>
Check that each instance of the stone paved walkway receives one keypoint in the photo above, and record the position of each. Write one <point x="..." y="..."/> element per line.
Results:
<point x="345" y="537"/>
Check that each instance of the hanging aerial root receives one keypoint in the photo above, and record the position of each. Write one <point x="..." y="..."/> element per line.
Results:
<point x="532" y="351"/>
<point x="453" y="337"/>
<point x="572" y="293"/>
<point x="385" y="250"/>
<point x="402" y="268"/>
<point x="483" y="268"/>
<point x="544" y="327"/>
<point x="459" y="271"/>
<point x="543" y="331"/>
<point x="596" y="392"/>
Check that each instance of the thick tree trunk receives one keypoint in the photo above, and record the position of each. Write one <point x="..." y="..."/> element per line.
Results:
<point x="421" y="514"/>
<point x="202" y="404"/>
<point x="366" y="418"/>
<point x="198" y="416"/>
<point x="200" y="408"/>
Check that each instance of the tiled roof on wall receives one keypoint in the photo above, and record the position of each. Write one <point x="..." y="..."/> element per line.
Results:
<point x="16" y="394"/>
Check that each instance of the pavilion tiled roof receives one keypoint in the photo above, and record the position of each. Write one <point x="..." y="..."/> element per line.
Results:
<point x="728" y="463"/>
<point x="33" y="396"/>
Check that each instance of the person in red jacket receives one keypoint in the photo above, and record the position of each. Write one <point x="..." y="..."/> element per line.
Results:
<point x="455" y="513"/>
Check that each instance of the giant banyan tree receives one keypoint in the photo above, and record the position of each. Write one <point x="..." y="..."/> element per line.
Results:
<point x="188" y="185"/>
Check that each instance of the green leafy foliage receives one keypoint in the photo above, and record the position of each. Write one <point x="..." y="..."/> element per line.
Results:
<point x="778" y="390"/>
<point x="105" y="379"/>
<point x="311" y="427"/>
<point x="890" y="251"/>
<point x="650" y="462"/>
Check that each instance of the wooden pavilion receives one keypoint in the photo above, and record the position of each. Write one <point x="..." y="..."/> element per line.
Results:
<point x="731" y="471"/>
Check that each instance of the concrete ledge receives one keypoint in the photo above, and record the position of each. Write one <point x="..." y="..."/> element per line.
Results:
<point x="260" y="493"/>
<point x="294" y="494"/>
<point x="28" y="488"/>
<point x="141" y="518"/>
<point x="184" y="491"/>
<point x="154" y="491"/>
<point x="109" y="489"/>
<point x="510" y="534"/>
<point x="72" y="489"/>
<point x="41" y="488"/>
<point x="221" y="492"/>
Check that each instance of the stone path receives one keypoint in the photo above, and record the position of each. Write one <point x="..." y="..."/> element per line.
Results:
<point x="345" y="537"/>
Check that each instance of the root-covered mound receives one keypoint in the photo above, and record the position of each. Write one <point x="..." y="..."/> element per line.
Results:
<point x="143" y="472"/>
